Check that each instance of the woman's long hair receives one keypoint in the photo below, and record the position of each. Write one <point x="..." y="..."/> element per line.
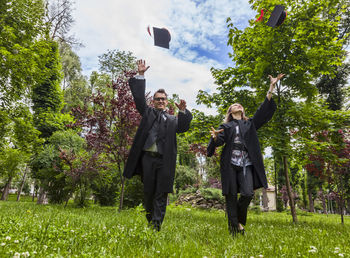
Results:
<point x="228" y="116"/>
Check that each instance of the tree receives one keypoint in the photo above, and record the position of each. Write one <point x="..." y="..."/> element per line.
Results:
<point x="11" y="161"/>
<point x="321" y="138"/>
<point x="304" y="47"/>
<point x="58" y="17"/>
<point x="21" y="27"/>
<point x="109" y="128"/>
<point x="47" y="96"/>
<point x="116" y="62"/>
<point x="184" y="177"/>
<point x="50" y="169"/>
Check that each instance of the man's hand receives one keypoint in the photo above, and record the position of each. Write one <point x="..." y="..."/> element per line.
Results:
<point x="214" y="133"/>
<point x="182" y="106"/>
<point x="141" y="66"/>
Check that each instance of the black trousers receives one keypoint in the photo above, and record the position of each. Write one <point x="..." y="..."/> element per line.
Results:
<point x="237" y="208"/>
<point x="154" y="201"/>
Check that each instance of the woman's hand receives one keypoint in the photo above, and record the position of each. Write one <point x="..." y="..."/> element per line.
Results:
<point x="214" y="133"/>
<point x="273" y="82"/>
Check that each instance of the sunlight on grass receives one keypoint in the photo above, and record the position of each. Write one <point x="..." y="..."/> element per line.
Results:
<point x="41" y="231"/>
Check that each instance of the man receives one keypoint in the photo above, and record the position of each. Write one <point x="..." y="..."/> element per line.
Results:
<point x="153" y="153"/>
<point x="241" y="164"/>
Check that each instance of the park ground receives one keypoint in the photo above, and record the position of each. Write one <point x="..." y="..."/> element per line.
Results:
<point x="31" y="230"/>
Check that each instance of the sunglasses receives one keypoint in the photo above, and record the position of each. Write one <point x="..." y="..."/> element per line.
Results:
<point x="159" y="99"/>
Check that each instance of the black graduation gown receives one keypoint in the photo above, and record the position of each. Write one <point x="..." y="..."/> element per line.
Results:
<point x="173" y="124"/>
<point x="248" y="130"/>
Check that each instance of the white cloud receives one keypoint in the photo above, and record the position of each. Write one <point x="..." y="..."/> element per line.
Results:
<point x="196" y="27"/>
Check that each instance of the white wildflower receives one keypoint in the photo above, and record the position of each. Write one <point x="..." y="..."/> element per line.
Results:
<point x="3" y="244"/>
<point x="8" y="238"/>
<point x="260" y="256"/>
<point x="336" y="250"/>
<point x="45" y="246"/>
<point x="16" y="241"/>
<point x="341" y="255"/>
<point x="72" y="230"/>
<point x="17" y="255"/>
<point x="25" y="254"/>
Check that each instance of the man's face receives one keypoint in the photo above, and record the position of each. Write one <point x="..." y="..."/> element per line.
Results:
<point x="160" y="101"/>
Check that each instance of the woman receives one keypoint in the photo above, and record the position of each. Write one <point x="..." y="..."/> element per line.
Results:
<point x="241" y="164"/>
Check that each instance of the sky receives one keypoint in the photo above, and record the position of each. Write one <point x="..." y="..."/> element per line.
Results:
<point x="198" y="39"/>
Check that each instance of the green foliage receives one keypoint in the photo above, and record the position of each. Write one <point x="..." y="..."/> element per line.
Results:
<point x="21" y="25"/>
<point x="184" y="154"/>
<point x="212" y="194"/>
<point x="201" y="125"/>
<point x="11" y="161"/>
<point x="5" y="127"/>
<point x="106" y="187"/>
<point x="47" y="94"/>
<point x="116" y="62"/>
<point x="74" y="84"/>
<point x="184" y="177"/>
<point x="24" y="135"/>
<point x="102" y="232"/>
<point x="133" y="195"/>
<point x="48" y="166"/>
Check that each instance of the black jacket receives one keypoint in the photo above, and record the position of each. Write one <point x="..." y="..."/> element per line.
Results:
<point x="248" y="130"/>
<point x="174" y="125"/>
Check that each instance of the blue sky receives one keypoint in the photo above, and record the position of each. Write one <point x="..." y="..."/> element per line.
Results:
<point x="198" y="30"/>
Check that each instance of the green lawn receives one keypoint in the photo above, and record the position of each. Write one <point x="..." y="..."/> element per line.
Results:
<point x="49" y="230"/>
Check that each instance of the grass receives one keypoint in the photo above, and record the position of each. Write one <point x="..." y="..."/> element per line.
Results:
<point x="54" y="231"/>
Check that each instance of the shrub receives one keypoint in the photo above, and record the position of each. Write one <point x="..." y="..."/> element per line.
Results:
<point x="212" y="194"/>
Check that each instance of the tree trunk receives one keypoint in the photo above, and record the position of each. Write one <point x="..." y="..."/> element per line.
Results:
<point x="265" y="200"/>
<point x="5" y="193"/>
<point x="42" y="196"/>
<point x="122" y="195"/>
<point x="276" y="184"/>
<point x="22" y="184"/>
<point x="311" y="202"/>
<point x="34" y="191"/>
<point x="341" y="201"/>
<point x="323" y="199"/>
<point x="291" y="199"/>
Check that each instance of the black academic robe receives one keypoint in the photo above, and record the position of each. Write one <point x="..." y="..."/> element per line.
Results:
<point x="248" y="130"/>
<point x="173" y="124"/>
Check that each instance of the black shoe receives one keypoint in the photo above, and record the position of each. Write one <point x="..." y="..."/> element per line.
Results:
<point x="241" y="231"/>
<point x="156" y="225"/>
<point x="233" y="230"/>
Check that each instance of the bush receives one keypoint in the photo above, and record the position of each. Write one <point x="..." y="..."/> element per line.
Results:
<point x="133" y="194"/>
<point x="212" y="194"/>
<point x="185" y="176"/>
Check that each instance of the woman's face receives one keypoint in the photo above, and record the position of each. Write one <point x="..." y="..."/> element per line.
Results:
<point x="235" y="108"/>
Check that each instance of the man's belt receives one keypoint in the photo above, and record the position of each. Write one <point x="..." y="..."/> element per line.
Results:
<point x="154" y="154"/>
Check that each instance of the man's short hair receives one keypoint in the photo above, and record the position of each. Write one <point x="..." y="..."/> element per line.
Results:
<point x="160" y="91"/>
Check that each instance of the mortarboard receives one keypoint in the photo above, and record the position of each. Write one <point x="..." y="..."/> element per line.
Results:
<point x="161" y="37"/>
<point x="277" y="17"/>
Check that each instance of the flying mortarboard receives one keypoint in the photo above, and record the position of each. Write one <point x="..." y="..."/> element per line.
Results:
<point x="161" y="37"/>
<point x="277" y="17"/>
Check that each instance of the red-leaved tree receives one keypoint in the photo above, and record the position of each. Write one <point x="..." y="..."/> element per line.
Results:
<point x="109" y="125"/>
